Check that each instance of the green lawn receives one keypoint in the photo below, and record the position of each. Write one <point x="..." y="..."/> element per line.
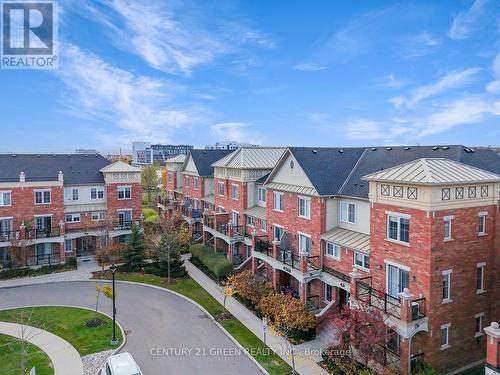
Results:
<point x="69" y="324"/>
<point x="10" y="358"/>
<point x="191" y="289"/>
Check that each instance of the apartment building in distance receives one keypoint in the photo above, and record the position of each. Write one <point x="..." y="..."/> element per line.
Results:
<point x="145" y="153"/>
<point x="413" y="231"/>
<point x="228" y="145"/>
<point x="55" y="206"/>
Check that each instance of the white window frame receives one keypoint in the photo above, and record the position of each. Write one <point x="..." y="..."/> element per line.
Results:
<point x="326" y="294"/>
<point x="235" y="192"/>
<point x="196" y="183"/>
<point x="278" y="197"/>
<point x="344" y="208"/>
<point x="307" y="236"/>
<point x="333" y="246"/>
<point x="261" y="192"/>
<point x="307" y="207"/>
<point x="124" y="189"/>
<point x="219" y="185"/>
<point x="448" y="227"/>
<point x="274" y="231"/>
<point x="363" y="255"/>
<point x="196" y="204"/>
<point x="3" y="194"/>
<point x="480" y="266"/>
<point x="263" y="225"/>
<point x="73" y="217"/>
<point x="43" y="191"/>
<point x="97" y="189"/>
<point x="101" y="215"/>
<point x="446" y="327"/>
<point x="446" y="274"/>
<point x="482" y="222"/>
<point x="66" y="250"/>
<point x="481" y="321"/>
<point x="398" y="216"/>
<point x="250" y="221"/>
<point x="69" y="194"/>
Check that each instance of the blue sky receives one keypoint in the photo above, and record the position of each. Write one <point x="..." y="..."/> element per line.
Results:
<point x="324" y="73"/>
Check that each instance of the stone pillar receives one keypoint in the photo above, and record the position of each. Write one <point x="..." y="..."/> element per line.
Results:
<point x="405" y="298"/>
<point x="492" y="366"/>
<point x="275" y="248"/>
<point x="353" y="287"/>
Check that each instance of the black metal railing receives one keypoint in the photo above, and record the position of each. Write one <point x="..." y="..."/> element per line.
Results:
<point x="222" y="228"/>
<point x="29" y="261"/>
<point x="196" y="213"/>
<point x="290" y="258"/>
<point x="313" y="262"/>
<point x="379" y="299"/>
<point x="10" y="235"/>
<point x="417" y="308"/>
<point x="337" y="274"/>
<point x="238" y="230"/>
<point x="43" y="232"/>
<point x="124" y="224"/>
<point x="416" y="363"/>
<point x="210" y="222"/>
<point x="312" y="302"/>
<point x="264" y="247"/>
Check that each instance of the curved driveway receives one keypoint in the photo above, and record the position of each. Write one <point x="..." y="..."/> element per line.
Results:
<point x="165" y="333"/>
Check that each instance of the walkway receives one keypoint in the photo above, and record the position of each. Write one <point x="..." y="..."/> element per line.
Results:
<point x="307" y="353"/>
<point x="64" y="357"/>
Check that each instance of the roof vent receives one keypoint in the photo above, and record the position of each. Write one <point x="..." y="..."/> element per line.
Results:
<point x="445" y="147"/>
<point x="13" y="155"/>
<point x="86" y="155"/>
<point x="374" y="149"/>
<point x="341" y="151"/>
<point x="314" y="151"/>
<point x="389" y="148"/>
<point x="38" y="156"/>
<point x="406" y="148"/>
<point x="435" y="148"/>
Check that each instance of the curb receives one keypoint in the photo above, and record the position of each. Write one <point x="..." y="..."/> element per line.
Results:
<point x="124" y="341"/>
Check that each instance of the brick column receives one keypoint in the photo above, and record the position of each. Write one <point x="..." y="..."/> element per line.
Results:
<point x="254" y="265"/>
<point x="353" y="287"/>
<point x="492" y="349"/>
<point x="303" y="263"/>
<point x="303" y="292"/>
<point x="62" y="230"/>
<point x="275" y="279"/>
<point x="405" y="298"/>
<point x="275" y="248"/>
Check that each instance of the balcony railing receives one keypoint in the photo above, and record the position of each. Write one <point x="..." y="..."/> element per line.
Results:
<point x="337" y="274"/>
<point x="417" y="363"/>
<point x="290" y="258"/>
<point x="417" y="309"/>
<point x="43" y="233"/>
<point x="264" y="247"/>
<point x="124" y="225"/>
<point x="378" y="299"/>
<point x="10" y="235"/>
<point x="313" y="262"/>
<point x="210" y="222"/>
<point x="312" y="302"/>
<point x="31" y="260"/>
<point x="238" y="230"/>
<point x="223" y="228"/>
<point x="196" y="213"/>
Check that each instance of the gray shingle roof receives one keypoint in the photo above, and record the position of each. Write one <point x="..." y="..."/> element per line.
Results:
<point x="203" y="159"/>
<point x="77" y="168"/>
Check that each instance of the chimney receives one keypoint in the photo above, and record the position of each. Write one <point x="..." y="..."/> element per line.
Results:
<point x="22" y="177"/>
<point x="60" y="177"/>
<point x="492" y="349"/>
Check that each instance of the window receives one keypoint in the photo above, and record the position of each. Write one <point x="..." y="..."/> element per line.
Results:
<point x="278" y="232"/>
<point x="459" y="193"/>
<point x="484" y="191"/>
<point x="304" y="244"/>
<point x="186" y="181"/>
<point x="347" y="212"/>
<point x="305" y="207"/>
<point x="478" y="325"/>
<point x="412" y="193"/>
<point x="385" y="190"/>
<point x="446" y="285"/>
<point x="445" y="194"/>
<point x="397" y="191"/>
<point x="124" y="192"/>
<point x="480" y="277"/>
<point x="333" y="250"/>
<point x="98" y="215"/>
<point x="125" y="219"/>
<point x="70" y="194"/>
<point x="68" y="246"/>
<point x="42" y="196"/>
<point x="398" y="228"/>
<point x="482" y="223"/>
<point x="196" y="204"/>
<point x="328" y="293"/>
<point x="72" y="218"/>
<point x="235" y="192"/>
<point x="472" y="192"/>
<point x="261" y="195"/>
<point x="447" y="227"/>
<point x="196" y="183"/>
<point x="263" y="225"/>
<point x="220" y="187"/>
<point x="5" y="198"/>
<point x="250" y="221"/>
<point x="361" y="260"/>
<point x="398" y="279"/>
<point x="97" y="193"/>
<point x="445" y="336"/>
<point x="278" y="201"/>
<point x="5" y="229"/>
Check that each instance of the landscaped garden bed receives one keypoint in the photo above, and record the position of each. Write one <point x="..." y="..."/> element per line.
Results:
<point x="14" y="273"/>
<point x="215" y="265"/>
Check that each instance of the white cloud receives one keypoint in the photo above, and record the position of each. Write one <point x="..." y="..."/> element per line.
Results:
<point x="494" y="86"/>
<point x="394" y="83"/>
<point x="466" y="21"/>
<point x="397" y="101"/>
<point x="234" y="131"/>
<point x="421" y="45"/>
<point x="309" y="67"/>
<point x="454" y="79"/>
<point x="139" y="105"/>
<point x="364" y="129"/>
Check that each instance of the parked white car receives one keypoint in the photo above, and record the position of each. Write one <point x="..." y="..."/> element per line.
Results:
<point x="121" y="364"/>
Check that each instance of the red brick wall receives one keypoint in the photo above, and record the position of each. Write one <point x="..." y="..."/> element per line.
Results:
<point x="290" y="219"/>
<point x="190" y="191"/>
<point x="346" y="262"/>
<point x="114" y="204"/>
<point x="227" y="202"/>
<point x="171" y="182"/>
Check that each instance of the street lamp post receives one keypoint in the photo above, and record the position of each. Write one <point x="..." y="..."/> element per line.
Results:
<point x="114" y="340"/>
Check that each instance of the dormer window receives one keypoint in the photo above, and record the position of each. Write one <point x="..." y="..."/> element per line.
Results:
<point x="445" y="194"/>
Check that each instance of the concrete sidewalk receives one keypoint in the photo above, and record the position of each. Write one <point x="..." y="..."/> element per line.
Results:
<point x="64" y="357"/>
<point x="307" y="353"/>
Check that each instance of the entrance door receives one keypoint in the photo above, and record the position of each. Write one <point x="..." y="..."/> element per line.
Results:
<point x="125" y="219"/>
<point x="43" y="252"/>
<point x="343" y="298"/>
<point x="235" y="218"/>
<point x="43" y="226"/>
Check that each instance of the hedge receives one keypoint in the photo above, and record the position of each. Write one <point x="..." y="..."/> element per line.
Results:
<point x="13" y="273"/>
<point x="147" y="212"/>
<point x="217" y="263"/>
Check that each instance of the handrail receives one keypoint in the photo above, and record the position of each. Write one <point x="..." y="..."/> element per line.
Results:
<point x="337" y="274"/>
<point x="314" y="262"/>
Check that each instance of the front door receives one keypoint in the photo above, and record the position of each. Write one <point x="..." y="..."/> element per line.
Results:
<point x="343" y="298"/>
<point x="125" y="219"/>
<point x="43" y="225"/>
<point x="235" y="218"/>
<point x="43" y="252"/>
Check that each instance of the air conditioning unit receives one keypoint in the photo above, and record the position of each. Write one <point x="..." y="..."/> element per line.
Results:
<point x="415" y="311"/>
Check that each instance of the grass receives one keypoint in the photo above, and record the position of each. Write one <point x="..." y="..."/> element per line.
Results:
<point x="69" y="324"/>
<point x="10" y="358"/>
<point x="191" y="289"/>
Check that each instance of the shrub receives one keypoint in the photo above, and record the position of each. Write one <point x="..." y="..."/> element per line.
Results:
<point x="133" y="256"/>
<point x="148" y="212"/>
<point x="153" y="219"/>
<point x="72" y="262"/>
<point x="249" y="286"/>
<point x="13" y="273"/>
<point x="427" y="369"/>
<point x="196" y="250"/>
<point x="216" y="263"/>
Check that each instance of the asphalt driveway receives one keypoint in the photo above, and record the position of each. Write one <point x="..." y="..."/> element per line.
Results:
<point x="165" y="333"/>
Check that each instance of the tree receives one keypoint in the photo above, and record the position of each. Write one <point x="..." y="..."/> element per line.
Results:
<point x="27" y="333"/>
<point x="150" y="180"/>
<point x="362" y="329"/>
<point x="133" y="256"/>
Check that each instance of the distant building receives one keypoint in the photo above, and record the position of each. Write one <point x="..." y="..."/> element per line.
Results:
<point x="86" y="151"/>
<point x="146" y="153"/>
<point x="142" y="153"/>
<point x="228" y="145"/>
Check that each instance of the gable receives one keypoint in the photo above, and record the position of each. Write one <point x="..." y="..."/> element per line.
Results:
<point x="190" y="166"/>
<point x="290" y="172"/>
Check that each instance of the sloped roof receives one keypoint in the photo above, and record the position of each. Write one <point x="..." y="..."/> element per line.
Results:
<point x="348" y="238"/>
<point x="256" y="211"/>
<point x="203" y="160"/>
<point x="120" y="166"/>
<point x="433" y="172"/>
<point x="377" y="159"/>
<point x="176" y="159"/>
<point x="252" y="158"/>
<point x="77" y="168"/>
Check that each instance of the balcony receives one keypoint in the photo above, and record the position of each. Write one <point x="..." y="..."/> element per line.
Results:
<point x="166" y="202"/>
<point x="337" y="274"/>
<point x="43" y="233"/>
<point x="30" y="261"/>
<point x="6" y="236"/>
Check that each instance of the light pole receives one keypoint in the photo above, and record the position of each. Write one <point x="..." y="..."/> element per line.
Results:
<point x="114" y="340"/>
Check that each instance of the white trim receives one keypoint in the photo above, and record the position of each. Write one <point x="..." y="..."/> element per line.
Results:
<point x="480" y="332"/>
<point x="355" y="212"/>
<point x="447" y="272"/>
<point x="42" y="215"/>
<point x="448" y="236"/>
<point x="7" y="218"/>
<point x="357" y="265"/>
<point x="333" y="256"/>
<point x="324" y="293"/>
<point x="449" y="217"/>
<point x="447" y="327"/>
<point x="281" y="194"/>
<point x="307" y="199"/>
<point x="393" y="213"/>
<point x="482" y="264"/>
<point x="42" y="191"/>
<point x="124" y="209"/>
<point x="298" y="238"/>
<point x="5" y="192"/>
<point x="397" y="265"/>
<point x="123" y="187"/>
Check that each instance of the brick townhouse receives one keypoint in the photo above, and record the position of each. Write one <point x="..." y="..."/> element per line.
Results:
<point x="412" y="231"/>
<point x="57" y="206"/>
